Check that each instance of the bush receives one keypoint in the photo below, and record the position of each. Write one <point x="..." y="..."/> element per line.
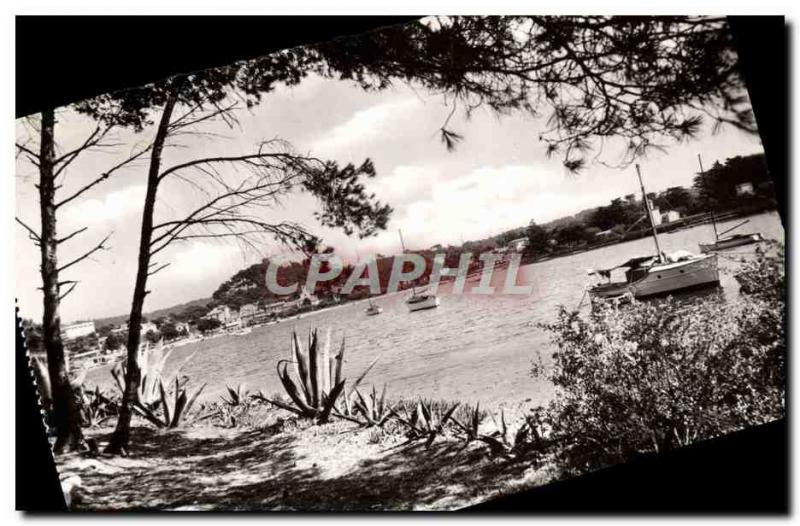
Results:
<point x="660" y="375"/>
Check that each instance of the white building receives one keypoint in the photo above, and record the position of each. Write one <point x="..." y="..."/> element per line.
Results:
<point x="76" y="330"/>
<point x="518" y="245"/>
<point x="669" y="216"/>
<point x="655" y="213"/>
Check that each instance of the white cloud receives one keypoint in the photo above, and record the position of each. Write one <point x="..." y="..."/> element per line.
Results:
<point x="113" y="206"/>
<point x="365" y="125"/>
<point x="405" y="183"/>
<point x="488" y="200"/>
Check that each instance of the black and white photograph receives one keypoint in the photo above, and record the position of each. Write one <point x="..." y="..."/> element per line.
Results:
<point x="418" y="267"/>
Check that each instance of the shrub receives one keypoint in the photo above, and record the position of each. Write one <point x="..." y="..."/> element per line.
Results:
<point x="659" y="375"/>
<point x="764" y="277"/>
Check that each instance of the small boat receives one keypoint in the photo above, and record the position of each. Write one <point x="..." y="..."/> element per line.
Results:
<point x="658" y="274"/>
<point x="373" y="310"/>
<point x="420" y="301"/>
<point x="731" y="241"/>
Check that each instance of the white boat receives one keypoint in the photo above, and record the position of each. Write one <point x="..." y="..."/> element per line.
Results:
<point x="653" y="276"/>
<point x="373" y="310"/>
<point x="658" y="274"/>
<point x="731" y="241"/>
<point x="420" y="301"/>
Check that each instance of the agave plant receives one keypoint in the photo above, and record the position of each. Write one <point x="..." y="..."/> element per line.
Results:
<point x="96" y="407"/>
<point x="235" y="406"/>
<point x="317" y="382"/>
<point x="469" y="422"/>
<point x="526" y="439"/>
<point x="236" y="396"/>
<point x="345" y="408"/>
<point x="151" y="363"/>
<point x="166" y="412"/>
<point x="427" y="420"/>
<point x="373" y="407"/>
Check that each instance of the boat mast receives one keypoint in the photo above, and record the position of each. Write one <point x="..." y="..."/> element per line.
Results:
<point x="413" y="288"/>
<point x="713" y="219"/>
<point x="714" y="224"/>
<point x="649" y="214"/>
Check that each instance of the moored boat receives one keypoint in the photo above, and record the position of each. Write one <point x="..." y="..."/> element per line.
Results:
<point x="657" y="274"/>
<point x="735" y="240"/>
<point x="419" y="301"/>
<point x="373" y="310"/>
<point x="422" y="301"/>
<point x="653" y="276"/>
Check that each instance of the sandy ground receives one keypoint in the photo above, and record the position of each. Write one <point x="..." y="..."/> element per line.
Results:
<point x="290" y="466"/>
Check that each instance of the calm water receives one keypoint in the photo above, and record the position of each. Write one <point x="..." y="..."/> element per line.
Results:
<point x="471" y="348"/>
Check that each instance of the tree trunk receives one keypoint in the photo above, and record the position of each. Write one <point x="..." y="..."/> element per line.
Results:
<point x="66" y="413"/>
<point x="133" y="377"/>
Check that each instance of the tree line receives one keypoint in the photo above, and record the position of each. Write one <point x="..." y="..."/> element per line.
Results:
<point x="714" y="190"/>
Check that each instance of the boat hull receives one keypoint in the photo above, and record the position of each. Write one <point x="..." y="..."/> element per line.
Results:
<point x="665" y="278"/>
<point x="431" y="302"/>
<point x="672" y="277"/>
<point x="722" y="244"/>
<point x="373" y="312"/>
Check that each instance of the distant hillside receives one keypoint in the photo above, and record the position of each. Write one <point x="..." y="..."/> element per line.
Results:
<point x="175" y="309"/>
<point x="248" y="285"/>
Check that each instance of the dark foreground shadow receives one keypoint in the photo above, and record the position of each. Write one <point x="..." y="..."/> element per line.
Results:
<point x="257" y="471"/>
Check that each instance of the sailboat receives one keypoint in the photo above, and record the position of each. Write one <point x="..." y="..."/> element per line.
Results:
<point x="419" y="301"/>
<point x="657" y="274"/>
<point x="734" y="240"/>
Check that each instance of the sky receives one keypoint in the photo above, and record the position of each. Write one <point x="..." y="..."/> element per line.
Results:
<point x="497" y="178"/>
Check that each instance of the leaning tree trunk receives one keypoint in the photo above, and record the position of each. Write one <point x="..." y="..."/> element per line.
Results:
<point x="133" y="377"/>
<point x="66" y="413"/>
